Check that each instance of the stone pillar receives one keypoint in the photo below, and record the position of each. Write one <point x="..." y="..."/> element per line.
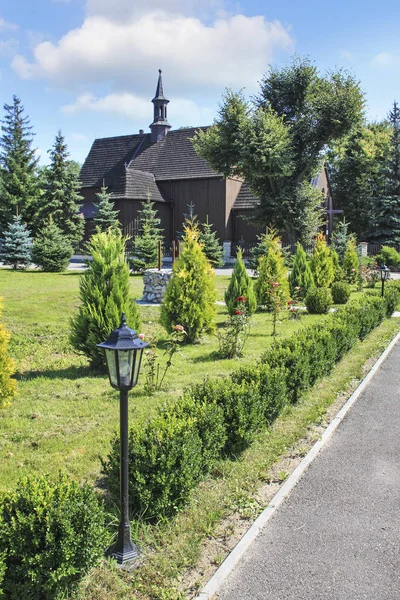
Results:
<point x="364" y="249"/>
<point x="227" y="251"/>
<point x="155" y="284"/>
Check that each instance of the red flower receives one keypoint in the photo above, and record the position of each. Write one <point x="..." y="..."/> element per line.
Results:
<point x="290" y="302"/>
<point x="238" y="312"/>
<point x="275" y="284"/>
<point x="240" y="299"/>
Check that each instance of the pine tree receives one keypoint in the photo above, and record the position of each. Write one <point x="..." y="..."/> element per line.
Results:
<point x="322" y="264"/>
<point x="150" y="233"/>
<point x="51" y="249"/>
<point x="105" y="294"/>
<point x="212" y="247"/>
<point x="7" y="384"/>
<point x="351" y="262"/>
<point x="340" y="238"/>
<point x="18" y="163"/>
<point x="240" y="286"/>
<point x="190" y="295"/>
<point x="271" y="273"/>
<point x="61" y="199"/>
<point x="267" y="240"/>
<point x="106" y="217"/>
<point x="386" y="223"/>
<point x="17" y="246"/>
<point x="300" y="276"/>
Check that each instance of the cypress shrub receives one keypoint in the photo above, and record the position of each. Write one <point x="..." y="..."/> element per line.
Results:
<point x="7" y="384"/>
<point x="51" y="534"/>
<point x="322" y="263"/>
<point x="104" y="294"/>
<point x="271" y="269"/>
<point x="240" y="285"/>
<point x="190" y="295"/>
<point x="300" y="275"/>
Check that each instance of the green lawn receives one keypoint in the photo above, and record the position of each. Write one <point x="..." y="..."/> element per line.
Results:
<point x="64" y="415"/>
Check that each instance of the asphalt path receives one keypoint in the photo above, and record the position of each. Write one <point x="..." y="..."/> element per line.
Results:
<point x="337" y="536"/>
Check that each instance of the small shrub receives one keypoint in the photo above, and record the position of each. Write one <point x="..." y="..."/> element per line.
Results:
<point x="51" y="533"/>
<point x="300" y="275"/>
<point x="272" y="274"/>
<point x="340" y="292"/>
<point x="322" y="264"/>
<point x="17" y="246"/>
<point x="240" y="285"/>
<point x="350" y="262"/>
<point x="392" y="297"/>
<point x="8" y="385"/>
<point x="236" y="331"/>
<point x="388" y="256"/>
<point x="318" y="301"/>
<point x="51" y="249"/>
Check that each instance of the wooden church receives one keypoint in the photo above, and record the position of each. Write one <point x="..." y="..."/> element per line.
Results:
<point x="164" y="164"/>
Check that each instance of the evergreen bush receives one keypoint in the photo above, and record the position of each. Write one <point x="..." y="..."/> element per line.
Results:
<point x="271" y="271"/>
<point x="7" y="368"/>
<point x="388" y="256"/>
<point x="322" y="263"/>
<point x="17" y="246"/>
<point x="211" y="245"/>
<point x="106" y="216"/>
<point x="104" y="294"/>
<point x="267" y="240"/>
<point x="318" y="301"/>
<point x="339" y="273"/>
<point x="300" y="275"/>
<point x="190" y="295"/>
<point x="240" y="286"/>
<point x="52" y="533"/>
<point x="146" y="242"/>
<point x="340" y="292"/>
<point x="51" y="250"/>
<point x="351" y="262"/>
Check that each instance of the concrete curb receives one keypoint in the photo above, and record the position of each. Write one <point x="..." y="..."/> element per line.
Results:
<point x="214" y="584"/>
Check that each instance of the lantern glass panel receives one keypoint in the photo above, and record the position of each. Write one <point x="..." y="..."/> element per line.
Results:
<point x="112" y="367"/>
<point x="125" y="363"/>
<point x="138" y="360"/>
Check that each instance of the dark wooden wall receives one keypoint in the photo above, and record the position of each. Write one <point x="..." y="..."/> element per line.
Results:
<point x="245" y="230"/>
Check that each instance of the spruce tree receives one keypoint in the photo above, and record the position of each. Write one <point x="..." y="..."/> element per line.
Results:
<point x="19" y="187"/>
<point x="150" y="233"/>
<point x="240" y="286"/>
<point x="300" y="276"/>
<point x="61" y="199"/>
<point x="17" y="245"/>
<point x="190" y="295"/>
<point x="106" y="217"/>
<point x="7" y="384"/>
<point x="105" y="294"/>
<point x="51" y="249"/>
<point x="340" y="238"/>
<point x="271" y="273"/>
<point x="322" y="264"/>
<point x="212" y="247"/>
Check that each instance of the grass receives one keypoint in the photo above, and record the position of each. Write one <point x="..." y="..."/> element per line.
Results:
<point x="64" y="416"/>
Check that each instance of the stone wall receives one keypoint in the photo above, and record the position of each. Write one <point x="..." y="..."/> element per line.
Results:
<point x="155" y="284"/>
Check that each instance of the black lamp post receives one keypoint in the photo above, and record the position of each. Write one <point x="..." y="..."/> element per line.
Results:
<point x="123" y="351"/>
<point x="384" y="272"/>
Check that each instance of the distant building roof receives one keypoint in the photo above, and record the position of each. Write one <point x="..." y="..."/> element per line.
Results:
<point x="245" y="199"/>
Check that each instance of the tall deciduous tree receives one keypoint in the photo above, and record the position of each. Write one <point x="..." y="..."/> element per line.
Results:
<point x="276" y="142"/>
<point x="61" y="199"/>
<point x="18" y="161"/>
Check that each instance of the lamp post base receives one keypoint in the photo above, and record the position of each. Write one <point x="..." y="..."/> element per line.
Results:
<point x="124" y="550"/>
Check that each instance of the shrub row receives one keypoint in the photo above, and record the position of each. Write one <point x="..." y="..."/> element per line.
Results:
<point x="218" y="418"/>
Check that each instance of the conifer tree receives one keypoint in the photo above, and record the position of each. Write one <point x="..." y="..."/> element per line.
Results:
<point x="106" y="217"/>
<point x="7" y="384"/>
<point x="340" y="238"/>
<point x="240" y="286"/>
<point x="150" y="233"/>
<point x="211" y="245"/>
<point x="17" y="245"/>
<point x="322" y="264"/>
<point x="300" y="276"/>
<point x="104" y="293"/>
<point x="51" y="249"/>
<point x="61" y="199"/>
<point x="265" y="241"/>
<point x="190" y="295"/>
<point x="271" y="273"/>
<point x="338" y="270"/>
<point x="351" y="262"/>
<point x="18" y="163"/>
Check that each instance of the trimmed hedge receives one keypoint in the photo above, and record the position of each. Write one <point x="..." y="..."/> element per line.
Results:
<point x="340" y="292"/>
<point x="219" y="418"/>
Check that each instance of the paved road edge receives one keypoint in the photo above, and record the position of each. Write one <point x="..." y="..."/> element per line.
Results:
<point x="214" y="584"/>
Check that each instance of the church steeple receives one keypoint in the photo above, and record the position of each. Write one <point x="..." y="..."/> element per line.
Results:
<point x="160" y="126"/>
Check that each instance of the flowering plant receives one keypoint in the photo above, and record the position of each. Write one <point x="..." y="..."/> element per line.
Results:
<point x="155" y="374"/>
<point x="234" y="337"/>
<point x="294" y="305"/>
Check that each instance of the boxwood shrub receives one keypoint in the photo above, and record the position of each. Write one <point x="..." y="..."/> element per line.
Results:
<point x="340" y="292"/>
<point x="318" y="300"/>
<point x="51" y="533"/>
<point x="219" y="417"/>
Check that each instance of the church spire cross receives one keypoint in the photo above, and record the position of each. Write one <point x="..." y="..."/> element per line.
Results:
<point x="160" y="126"/>
<point x="160" y="89"/>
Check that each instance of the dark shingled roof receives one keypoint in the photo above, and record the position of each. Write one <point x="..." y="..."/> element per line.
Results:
<point x="245" y="199"/>
<point x="107" y="158"/>
<point x="138" y="184"/>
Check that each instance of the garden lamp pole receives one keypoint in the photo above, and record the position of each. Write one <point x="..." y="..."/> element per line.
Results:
<point x="123" y="351"/>
<point x="384" y="273"/>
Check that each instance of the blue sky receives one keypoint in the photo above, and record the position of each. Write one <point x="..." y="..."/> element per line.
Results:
<point x="89" y="67"/>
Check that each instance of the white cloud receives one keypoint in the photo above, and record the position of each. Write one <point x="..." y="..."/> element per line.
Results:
<point x="8" y="47"/>
<point x="230" y="51"/>
<point x="133" y="107"/>
<point x="123" y="10"/>
<point x="5" y="25"/>
<point x="386" y="60"/>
